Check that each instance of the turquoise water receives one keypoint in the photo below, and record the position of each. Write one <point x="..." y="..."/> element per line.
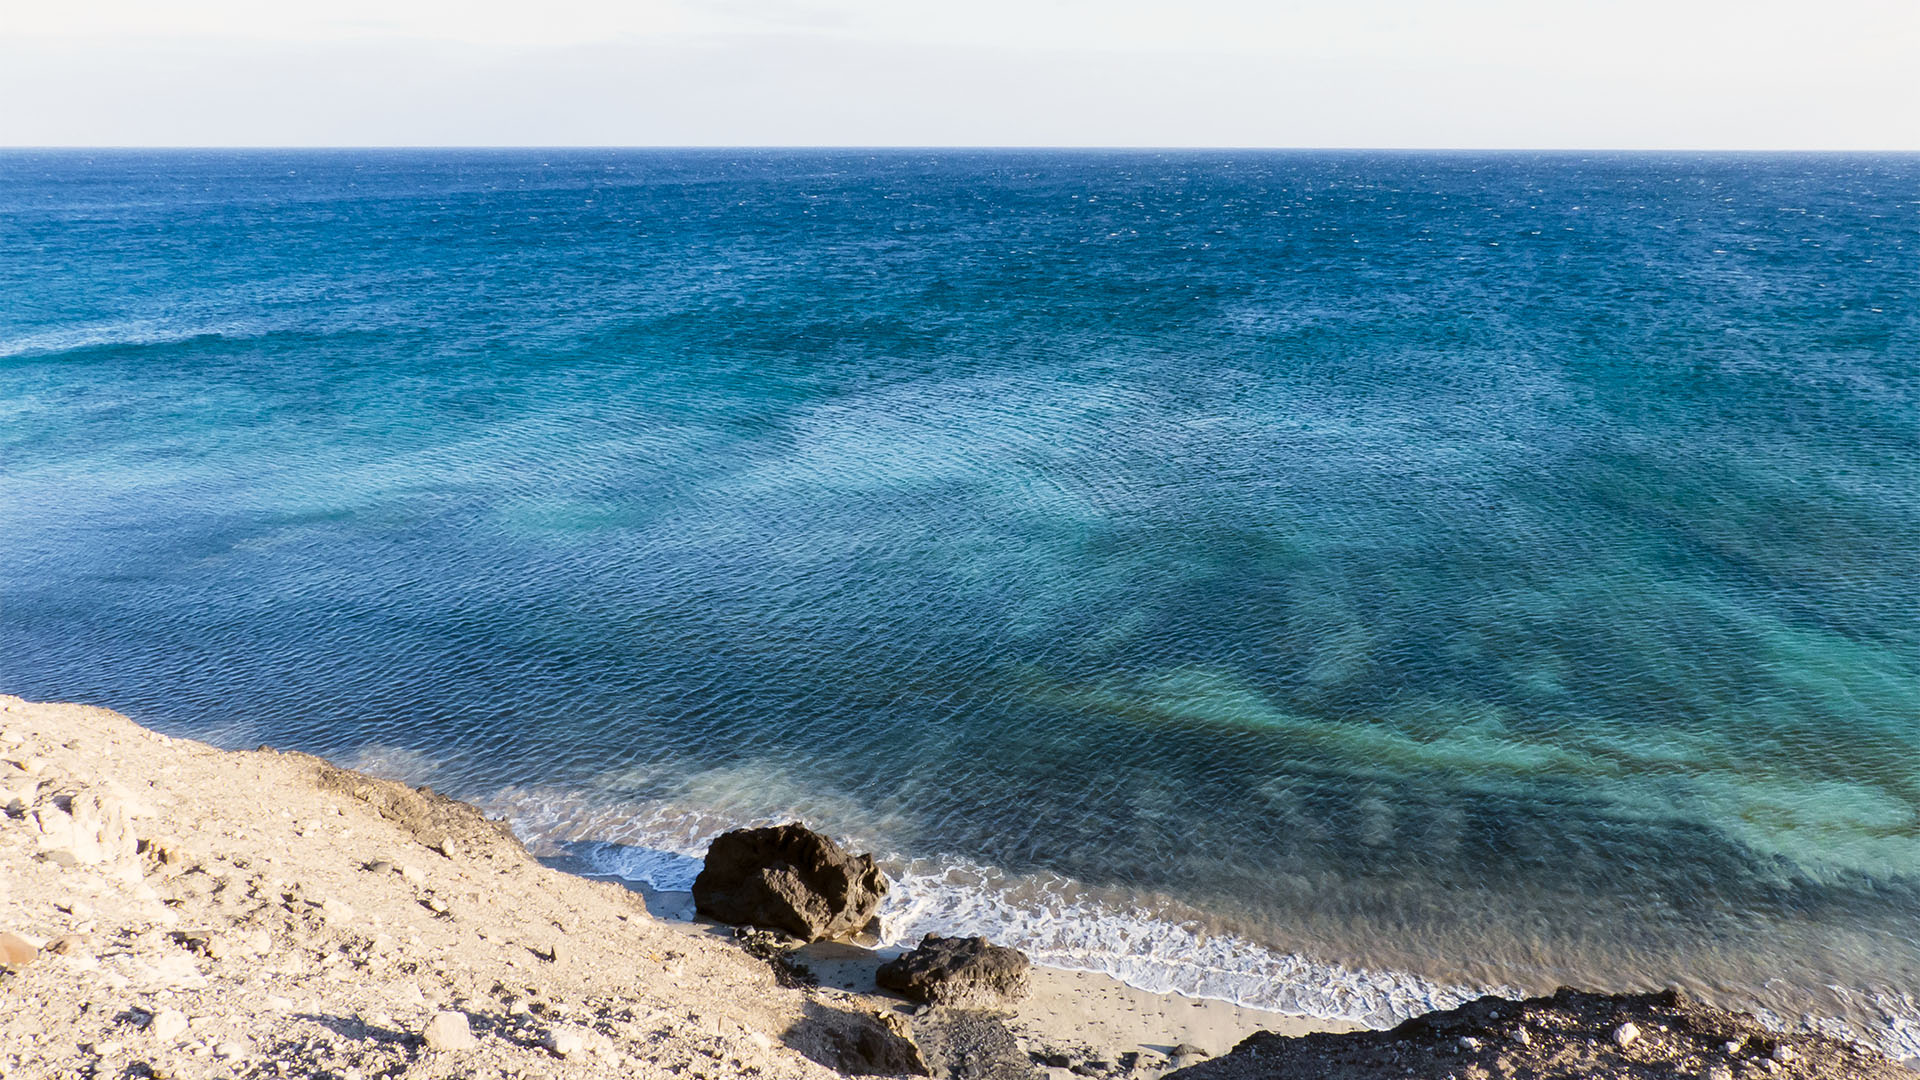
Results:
<point x="1331" y="581"/>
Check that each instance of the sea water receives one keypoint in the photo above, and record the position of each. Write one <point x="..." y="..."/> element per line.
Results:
<point x="1339" y="582"/>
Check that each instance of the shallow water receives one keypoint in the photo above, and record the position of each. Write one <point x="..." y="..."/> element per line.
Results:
<point x="1353" y="579"/>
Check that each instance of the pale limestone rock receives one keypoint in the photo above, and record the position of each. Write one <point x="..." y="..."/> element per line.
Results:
<point x="167" y="1025"/>
<point x="449" y="1031"/>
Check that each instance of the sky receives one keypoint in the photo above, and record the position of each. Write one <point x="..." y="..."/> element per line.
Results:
<point x="1629" y="74"/>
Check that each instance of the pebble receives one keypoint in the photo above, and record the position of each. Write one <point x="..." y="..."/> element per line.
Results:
<point x="231" y="1050"/>
<point x="1625" y="1034"/>
<point x="16" y="951"/>
<point x="1523" y="1037"/>
<point x="1733" y="1046"/>
<point x="566" y="1041"/>
<point x="449" y="1031"/>
<point x="167" y="1025"/>
<point x="1719" y="1072"/>
<point x="379" y="866"/>
<point x="1783" y="1053"/>
<point x="412" y="874"/>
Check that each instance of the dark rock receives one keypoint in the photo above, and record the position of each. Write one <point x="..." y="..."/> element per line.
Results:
<point x="965" y="972"/>
<point x="1572" y="1038"/>
<point x="788" y="877"/>
<point x="968" y="1044"/>
<point x="866" y="1044"/>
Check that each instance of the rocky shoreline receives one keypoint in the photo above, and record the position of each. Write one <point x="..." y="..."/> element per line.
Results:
<point x="172" y="910"/>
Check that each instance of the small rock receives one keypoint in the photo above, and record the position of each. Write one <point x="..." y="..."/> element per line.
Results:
<point x="1783" y="1053"/>
<point x="1523" y="1037"/>
<point x="336" y="911"/>
<point x="167" y="1025"/>
<point x="554" y="953"/>
<point x="449" y="1031"/>
<point x="1734" y="1046"/>
<point x="518" y="1008"/>
<point x="1469" y="1043"/>
<point x="412" y="875"/>
<point x="1719" y="1072"/>
<point x="65" y="945"/>
<point x="565" y="1041"/>
<point x="231" y="1050"/>
<point x="1187" y="1050"/>
<point x="379" y="866"/>
<point x="106" y="1049"/>
<point x="1625" y="1034"/>
<point x="16" y="951"/>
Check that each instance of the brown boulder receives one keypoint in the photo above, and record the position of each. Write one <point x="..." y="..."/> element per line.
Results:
<point x="965" y="972"/>
<point x="789" y="878"/>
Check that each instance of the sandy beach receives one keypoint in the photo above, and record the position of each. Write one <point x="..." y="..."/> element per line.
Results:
<point x="229" y="914"/>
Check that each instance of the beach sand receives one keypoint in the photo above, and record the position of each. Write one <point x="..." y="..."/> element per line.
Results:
<point x="202" y="913"/>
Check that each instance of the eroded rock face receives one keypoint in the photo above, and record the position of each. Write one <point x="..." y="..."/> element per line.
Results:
<point x="1572" y="1035"/>
<point x="964" y="972"/>
<point x="789" y="878"/>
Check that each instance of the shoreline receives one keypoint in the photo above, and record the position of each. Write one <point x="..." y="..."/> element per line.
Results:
<point x="1105" y="1014"/>
<point x="183" y="912"/>
<point x="303" y="919"/>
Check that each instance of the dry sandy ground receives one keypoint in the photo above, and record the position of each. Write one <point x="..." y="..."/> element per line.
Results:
<point x="201" y="913"/>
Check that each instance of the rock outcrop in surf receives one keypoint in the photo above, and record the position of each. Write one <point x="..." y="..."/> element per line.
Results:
<point x="789" y="878"/>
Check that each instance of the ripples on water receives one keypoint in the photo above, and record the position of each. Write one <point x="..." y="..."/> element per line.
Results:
<point x="1491" y="570"/>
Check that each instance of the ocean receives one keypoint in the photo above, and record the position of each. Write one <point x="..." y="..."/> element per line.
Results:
<point x="1338" y="582"/>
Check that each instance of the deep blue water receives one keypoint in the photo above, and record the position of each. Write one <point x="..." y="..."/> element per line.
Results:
<point x="1495" y="570"/>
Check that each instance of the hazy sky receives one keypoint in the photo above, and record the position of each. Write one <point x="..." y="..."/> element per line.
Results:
<point x="1471" y="73"/>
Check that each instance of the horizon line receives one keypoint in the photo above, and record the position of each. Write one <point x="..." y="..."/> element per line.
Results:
<point x="938" y="147"/>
